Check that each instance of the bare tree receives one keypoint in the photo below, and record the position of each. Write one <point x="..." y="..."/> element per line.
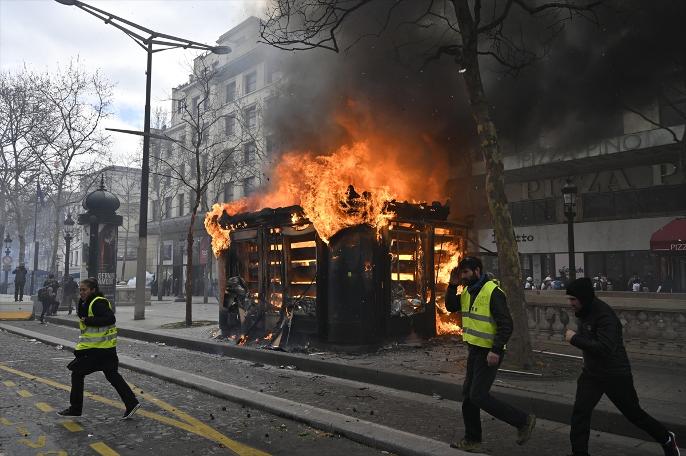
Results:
<point x="23" y="116"/>
<point x="223" y="140"/>
<point x="78" y="102"/>
<point x="465" y="31"/>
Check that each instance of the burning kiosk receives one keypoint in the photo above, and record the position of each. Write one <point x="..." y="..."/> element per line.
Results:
<point x="358" y="286"/>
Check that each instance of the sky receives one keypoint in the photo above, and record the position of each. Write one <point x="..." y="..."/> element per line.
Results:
<point x="43" y="34"/>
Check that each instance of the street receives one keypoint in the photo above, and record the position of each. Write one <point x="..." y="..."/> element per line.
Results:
<point x="412" y="413"/>
<point x="34" y="385"/>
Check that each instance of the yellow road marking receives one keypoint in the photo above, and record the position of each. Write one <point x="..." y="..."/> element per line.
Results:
<point x="39" y="443"/>
<point x="204" y="430"/>
<point x="103" y="449"/>
<point x="55" y="452"/>
<point x="43" y="407"/>
<point x="72" y="426"/>
<point x="201" y="428"/>
<point x="9" y="383"/>
<point x="24" y="393"/>
<point x="4" y="421"/>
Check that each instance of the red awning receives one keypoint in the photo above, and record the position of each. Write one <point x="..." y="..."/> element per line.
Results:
<point x="671" y="237"/>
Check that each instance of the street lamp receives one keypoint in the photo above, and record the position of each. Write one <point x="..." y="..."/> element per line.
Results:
<point x="68" y="236"/>
<point x="7" y="261"/>
<point x="165" y="42"/>
<point x="569" y="198"/>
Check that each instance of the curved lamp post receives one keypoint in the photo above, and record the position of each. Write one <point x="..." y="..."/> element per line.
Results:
<point x="569" y="198"/>
<point x="164" y="42"/>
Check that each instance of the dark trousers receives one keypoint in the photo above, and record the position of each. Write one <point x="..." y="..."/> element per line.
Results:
<point x="112" y="375"/>
<point x="477" y="396"/>
<point x="620" y="390"/>
<point x="46" y="308"/>
<point x="18" y="291"/>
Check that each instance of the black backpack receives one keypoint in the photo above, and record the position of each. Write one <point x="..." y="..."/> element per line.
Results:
<point x="44" y="293"/>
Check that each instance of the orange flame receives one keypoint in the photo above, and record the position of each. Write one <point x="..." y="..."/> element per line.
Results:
<point x="382" y="161"/>
<point x="220" y="237"/>
<point x="447" y="255"/>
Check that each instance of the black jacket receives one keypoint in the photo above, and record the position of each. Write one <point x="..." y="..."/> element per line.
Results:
<point x="499" y="311"/>
<point x="102" y="316"/>
<point x="599" y="335"/>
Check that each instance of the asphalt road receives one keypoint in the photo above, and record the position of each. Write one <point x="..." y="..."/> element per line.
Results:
<point x="426" y="416"/>
<point x="34" y="385"/>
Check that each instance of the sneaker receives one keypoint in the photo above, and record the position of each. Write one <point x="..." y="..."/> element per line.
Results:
<point x="467" y="445"/>
<point x="524" y="432"/>
<point x="68" y="412"/>
<point x="671" y="448"/>
<point x="130" y="411"/>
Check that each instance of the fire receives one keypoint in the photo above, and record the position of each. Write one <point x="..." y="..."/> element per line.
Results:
<point x="220" y="237"/>
<point x="447" y="255"/>
<point x="381" y="161"/>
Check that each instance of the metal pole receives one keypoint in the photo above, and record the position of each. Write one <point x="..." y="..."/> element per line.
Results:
<point x="141" y="256"/>
<point x="570" y="241"/>
<point x="35" y="241"/>
<point x="67" y="239"/>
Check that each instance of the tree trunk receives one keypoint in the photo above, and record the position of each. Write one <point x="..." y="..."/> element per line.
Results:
<point x="56" y="235"/>
<point x="519" y="346"/>
<point x="189" y="267"/>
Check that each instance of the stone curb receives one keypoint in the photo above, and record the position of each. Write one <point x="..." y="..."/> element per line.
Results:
<point x="546" y="406"/>
<point x="364" y="432"/>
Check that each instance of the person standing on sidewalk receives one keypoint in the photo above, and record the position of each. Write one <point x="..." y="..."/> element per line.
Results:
<point x="70" y="292"/>
<point x="19" y="282"/>
<point x="96" y="350"/>
<point x="606" y="370"/>
<point x="487" y="326"/>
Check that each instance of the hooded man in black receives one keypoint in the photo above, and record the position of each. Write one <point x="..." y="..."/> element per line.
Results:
<point x="606" y="370"/>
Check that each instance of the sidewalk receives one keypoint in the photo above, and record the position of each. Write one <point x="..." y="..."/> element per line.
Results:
<point x="433" y="367"/>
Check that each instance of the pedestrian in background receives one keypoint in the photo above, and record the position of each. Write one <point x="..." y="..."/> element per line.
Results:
<point x="96" y="350"/>
<point x="45" y="297"/>
<point x="19" y="282"/>
<point x="70" y="292"/>
<point x="487" y="326"/>
<point x="54" y="285"/>
<point x="606" y="370"/>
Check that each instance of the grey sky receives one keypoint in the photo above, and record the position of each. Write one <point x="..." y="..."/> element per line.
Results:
<point x="43" y="33"/>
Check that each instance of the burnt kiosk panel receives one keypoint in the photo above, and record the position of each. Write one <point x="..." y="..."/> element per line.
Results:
<point x="354" y="305"/>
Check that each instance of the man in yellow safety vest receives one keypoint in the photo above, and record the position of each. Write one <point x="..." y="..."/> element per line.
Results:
<point x="487" y="326"/>
<point x="96" y="350"/>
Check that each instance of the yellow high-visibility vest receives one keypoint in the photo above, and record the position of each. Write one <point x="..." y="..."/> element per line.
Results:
<point x="96" y="336"/>
<point x="478" y="325"/>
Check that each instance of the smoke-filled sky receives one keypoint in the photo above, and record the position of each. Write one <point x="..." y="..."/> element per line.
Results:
<point x="583" y="77"/>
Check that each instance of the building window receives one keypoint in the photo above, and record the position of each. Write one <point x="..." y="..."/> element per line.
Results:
<point x="249" y="153"/>
<point x="167" y="207"/>
<point x="250" y="116"/>
<point x="248" y="186"/>
<point x="155" y="210"/>
<point x="250" y="82"/>
<point x="230" y="125"/>
<point x="194" y="104"/>
<point x="181" y="206"/>
<point x="533" y="212"/>
<point x="230" y="91"/>
<point x="228" y="192"/>
<point x="180" y="105"/>
<point x="269" y="145"/>
<point x="664" y="199"/>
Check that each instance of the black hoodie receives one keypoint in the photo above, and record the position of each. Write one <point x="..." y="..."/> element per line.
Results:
<point x="599" y="333"/>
